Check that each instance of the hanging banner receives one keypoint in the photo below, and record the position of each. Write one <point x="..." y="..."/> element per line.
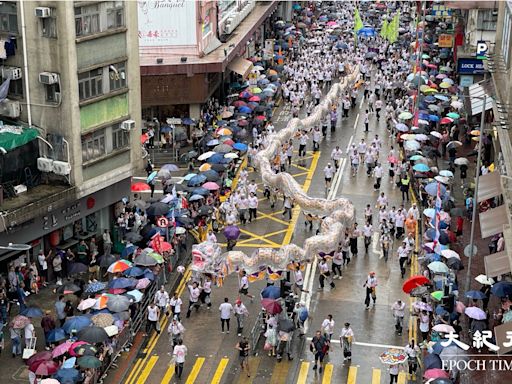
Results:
<point x="445" y="41"/>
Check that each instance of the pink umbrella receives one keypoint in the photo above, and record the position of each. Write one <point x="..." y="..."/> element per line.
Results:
<point x="331" y="23"/>
<point x="435" y="373"/>
<point x="459" y="307"/>
<point x="255" y="99"/>
<point x="143" y="283"/>
<point x="61" y="349"/>
<point x="74" y="345"/>
<point x="211" y="186"/>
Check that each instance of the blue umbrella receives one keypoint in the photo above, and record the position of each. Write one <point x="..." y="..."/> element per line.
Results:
<point x="55" y="335"/>
<point x="271" y="292"/>
<point x="128" y="251"/>
<point x="197" y="180"/>
<point x="213" y="143"/>
<point x="432" y="361"/>
<point x="67" y="375"/>
<point x="170" y="167"/>
<point x="189" y="176"/>
<point x="76" y="323"/>
<point x="222" y="123"/>
<point x="423" y="116"/>
<point x="133" y="272"/>
<point x="245" y="109"/>
<point x="211" y="175"/>
<point x="476" y="295"/>
<point x="165" y="129"/>
<point x="201" y="191"/>
<point x="196" y="198"/>
<point x="433" y="118"/>
<point x="431" y="189"/>
<point x="401" y="127"/>
<point x="438" y="348"/>
<point x="502" y="289"/>
<point x="296" y="7"/>
<point x="441" y="97"/>
<point x="441" y="311"/>
<point x="32" y="312"/>
<point x="148" y="274"/>
<point x="151" y="176"/>
<point x="430" y="99"/>
<point x="95" y="287"/>
<point x="264" y="81"/>
<point x="215" y="159"/>
<point x="420" y="167"/>
<point x="122" y="282"/>
<point x="69" y="363"/>
<point x="240" y="146"/>
<point x="188" y="121"/>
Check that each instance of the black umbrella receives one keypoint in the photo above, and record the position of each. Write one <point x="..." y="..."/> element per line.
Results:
<point x="144" y="260"/>
<point x="185" y="220"/>
<point x="77" y="268"/>
<point x="218" y="167"/>
<point x="432" y="361"/>
<point x="158" y="209"/>
<point x="146" y="229"/>
<point x="68" y="288"/>
<point x="106" y="260"/>
<point x="285" y="325"/>
<point x="133" y="237"/>
<point x="205" y="210"/>
<point x="211" y="175"/>
<point x="455" y="264"/>
<point x="93" y="335"/>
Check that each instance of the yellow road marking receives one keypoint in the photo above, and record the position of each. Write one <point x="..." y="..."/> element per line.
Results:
<point x="220" y="371"/>
<point x="303" y="373"/>
<point x="327" y="374"/>
<point x="305" y="188"/>
<point x="195" y="371"/>
<point x="257" y="237"/>
<point x="168" y="375"/>
<point x="352" y="375"/>
<point x="280" y="372"/>
<point x="145" y="373"/>
<point x="402" y="378"/>
<point x="267" y="235"/>
<point x="135" y="368"/>
<point x="270" y="216"/>
<point x="260" y="245"/>
<point x="376" y="376"/>
<point x="254" y="363"/>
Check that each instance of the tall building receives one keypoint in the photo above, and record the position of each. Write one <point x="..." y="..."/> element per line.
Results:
<point x="71" y="120"/>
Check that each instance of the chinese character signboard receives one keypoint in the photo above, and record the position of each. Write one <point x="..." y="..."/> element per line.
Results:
<point x="445" y="41"/>
<point x="439" y="10"/>
<point x="503" y="335"/>
<point x="166" y="23"/>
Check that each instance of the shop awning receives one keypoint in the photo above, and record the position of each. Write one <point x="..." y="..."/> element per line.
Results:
<point x="241" y="66"/>
<point x="496" y="264"/>
<point x="476" y="96"/>
<point x="10" y="140"/>
<point x="492" y="221"/>
<point x="489" y="186"/>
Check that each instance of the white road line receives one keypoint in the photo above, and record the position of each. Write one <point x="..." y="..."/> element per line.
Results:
<point x="361" y="103"/>
<point x="355" y="122"/>
<point x="349" y="143"/>
<point x="375" y="242"/>
<point x="337" y="341"/>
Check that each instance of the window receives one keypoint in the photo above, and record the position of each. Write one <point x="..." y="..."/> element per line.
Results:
<point x="87" y="20"/>
<point x="8" y="17"/>
<point x="487" y="19"/>
<point x="49" y="25"/>
<point x="52" y="93"/>
<point x="120" y="137"/>
<point x="93" y="145"/>
<point x="117" y="76"/>
<point x="90" y="84"/>
<point x="16" y="88"/>
<point x="115" y="14"/>
<point x="99" y="17"/>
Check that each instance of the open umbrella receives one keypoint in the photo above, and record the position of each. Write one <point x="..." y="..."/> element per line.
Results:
<point x="122" y="282"/>
<point x="438" y="267"/>
<point x="32" y="312"/>
<point x="461" y="161"/>
<point x="50" y="381"/>
<point x="118" y="266"/>
<point x="139" y="187"/>
<point x="420" y="167"/>
<point x="449" y="254"/>
<point x="271" y="292"/>
<point x="414" y="282"/>
<point x="393" y="356"/>
<point x="94" y="287"/>
<point x="19" y="322"/>
<point x="142" y="284"/>
<point x="44" y="368"/>
<point x="55" y="335"/>
<point x="285" y="325"/>
<point x="271" y="306"/>
<point x="475" y="313"/>
<point x="86" y="304"/>
<point x="484" y="280"/>
<point x="61" y="349"/>
<point x="85" y="349"/>
<point x="211" y="186"/>
<point x="68" y="375"/>
<point x="136" y="294"/>
<point x="502" y="289"/>
<point x="432" y="188"/>
<point x="76" y="323"/>
<point x="118" y="303"/>
<point x="438" y="295"/>
<point x="443" y="328"/>
<point x="435" y="373"/>
<point x="89" y="362"/>
<point x="157" y="209"/>
<point x="93" y="335"/>
<point x="76" y="268"/>
<point x="432" y="361"/>
<point x="133" y="237"/>
<point x="231" y="232"/>
<point x="133" y="272"/>
<point x="39" y="357"/>
<point x="103" y="319"/>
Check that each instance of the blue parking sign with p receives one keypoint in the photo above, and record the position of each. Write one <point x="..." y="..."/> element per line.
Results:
<point x="481" y="49"/>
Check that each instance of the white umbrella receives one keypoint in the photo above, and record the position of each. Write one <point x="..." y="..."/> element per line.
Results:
<point x="206" y="155"/>
<point x="461" y="161"/>
<point x="421" y="137"/>
<point x="436" y="134"/>
<point x="454" y="144"/>
<point x="259" y="68"/>
<point x="111" y="330"/>
<point x="446" y="173"/>
<point x="412" y="145"/>
<point x="231" y="156"/>
<point x="457" y="104"/>
<point x="482" y="279"/>
<point x="449" y="254"/>
<point x="86" y="304"/>
<point x="442" y="179"/>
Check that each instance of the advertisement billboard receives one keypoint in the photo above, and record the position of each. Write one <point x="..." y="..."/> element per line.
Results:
<point x="167" y="23"/>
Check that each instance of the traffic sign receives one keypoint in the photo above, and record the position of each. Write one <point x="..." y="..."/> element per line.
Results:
<point x="162" y="222"/>
<point x="467" y="251"/>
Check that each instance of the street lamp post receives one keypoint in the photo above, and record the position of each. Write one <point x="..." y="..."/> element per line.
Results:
<point x="470" y="253"/>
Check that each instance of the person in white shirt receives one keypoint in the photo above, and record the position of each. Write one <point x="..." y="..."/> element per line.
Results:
<point x="368" y="214"/>
<point x="29" y="332"/>
<point x="153" y="314"/>
<point x="399" y="223"/>
<point x="328" y="327"/>
<point x="377" y="173"/>
<point x="337" y="263"/>
<point x="252" y="187"/>
<point x="336" y="156"/>
<point x="382" y="200"/>
<point x="317" y="136"/>
<point x="244" y="286"/>
<point x="414" y="211"/>
<point x="361" y="149"/>
<point x="329" y="172"/>
<point x="175" y="331"/>
<point x="403" y="256"/>
<point x="398" y="309"/>
<point x="371" y="289"/>
<point x="210" y="237"/>
<point x="43" y="265"/>
<point x="346" y="340"/>
<point x="194" y="291"/>
<point x="162" y="300"/>
<point x="206" y="292"/>
<point x="175" y="304"/>
<point x="325" y="274"/>
<point x="179" y="353"/>
<point x="303" y="140"/>
<point x="243" y="205"/>
<point x="225" y="309"/>
<point x="367" y="233"/>
<point x="241" y="312"/>
<point x="253" y="206"/>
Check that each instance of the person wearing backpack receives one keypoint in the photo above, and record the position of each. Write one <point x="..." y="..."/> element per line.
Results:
<point x="320" y="347"/>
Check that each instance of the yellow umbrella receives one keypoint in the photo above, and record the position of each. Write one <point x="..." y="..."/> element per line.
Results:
<point x="424" y="87"/>
<point x="444" y="85"/>
<point x="429" y="90"/>
<point x="205" y="167"/>
<point x="476" y="138"/>
<point x="475" y="132"/>
<point x="272" y="72"/>
<point x="256" y="90"/>
<point x="224" y="132"/>
<point x="491" y="167"/>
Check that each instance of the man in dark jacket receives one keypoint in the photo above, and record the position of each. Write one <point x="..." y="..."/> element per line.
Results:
<point x="47" y="323"/>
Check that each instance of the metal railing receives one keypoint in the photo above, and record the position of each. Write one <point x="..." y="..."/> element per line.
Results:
<point x="257" y="330"/>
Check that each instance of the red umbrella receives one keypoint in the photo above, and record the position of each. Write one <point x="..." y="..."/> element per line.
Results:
<point x="446" y="120"/>
<point x="138" y="187"/>
<point x="38" y="357"/>
<point x="433" y="66"/>
<point x="260" y="117"/>
<point x="116" y="291"/>
<point x="74" y="345"/>
<point x="143" y="138"/>
<point x="255" y="98"/>
<point x="44" y="368"/>
<point x="414" y="282"/>
<point x="229" y="142"/>
<point x="271" y="306"/>
<point x="435" y="373"/>
<point x="242" y="123"/>
<point x="239" y="103"/>
<point x="165" y="247"/>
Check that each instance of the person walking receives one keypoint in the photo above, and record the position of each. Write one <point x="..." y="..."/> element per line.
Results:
<point x="206" y="292"/>
<point x="325" y="274"/>
<point x="385" y="244"/>
<point x="225" y="309"/>
<point x="398" y="309"/>
<point x="107" y="242"/>
<point x="194" y="291"/>
<point x="270" y="340"/>
<point x="179" y="353"/>
<point x="367" y="233"/>
<point x="152" y="316"/>
<point x="162" y="300"/>
<point x="175" y="303"/>
<point x="371" y="289"/>
<point x="404" y="186"/>
<point x="253" y="206"/>
<point x="319" y="346"/>
<point x="403" y="255"/>
<point x="60" y="306"/>
<point x="15" y="341"/>
<point x="30" y="332"/>
<point x="353" y="240"/>
<point x="243" y="357"/>
<point x="175" y="331"/>
<point x="241" y="313"/>
<point x="288" y="206"/>
<point x="336" y="156"/>
<point x="393" y="373"/>
<point x="328" y="327"/>
<point x="329" y="172"/>
<point x="346" y="340"/>
<point x="337" y="263"/>
<point x="412" y="350"/>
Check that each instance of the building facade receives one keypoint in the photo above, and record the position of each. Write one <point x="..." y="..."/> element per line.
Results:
<point x="73" y="69"/>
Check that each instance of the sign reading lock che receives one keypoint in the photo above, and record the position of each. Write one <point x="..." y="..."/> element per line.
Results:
<point x="481" y="50"/>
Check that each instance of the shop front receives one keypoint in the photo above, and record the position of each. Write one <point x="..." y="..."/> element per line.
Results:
<point x="64" y="228"/>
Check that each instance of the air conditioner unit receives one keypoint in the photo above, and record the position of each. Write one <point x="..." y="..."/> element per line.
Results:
<point x="48" y="78"/>
<point x="229" y="26"/>
<point x="13" y="73"/>
<point x="44" y="164"/>
<point x="20" y="188"/>
<point x="61" y="168"/>
<point x="10" y="108"/>
<point x="58" y="97"/>
<point x="128" y="125"/>
<point x="43" y="12"/>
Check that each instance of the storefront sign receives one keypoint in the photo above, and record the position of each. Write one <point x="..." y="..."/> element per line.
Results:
<point x="466" y="80"/>
<point x="470" y="66"/>
<point x="173" y="121"/>
<point x="439" y="10"/>
<point x="445" y="41"/>
<point x="167" y="23"/>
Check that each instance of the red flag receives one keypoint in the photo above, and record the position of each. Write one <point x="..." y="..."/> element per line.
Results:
<point x="156" y="242"/>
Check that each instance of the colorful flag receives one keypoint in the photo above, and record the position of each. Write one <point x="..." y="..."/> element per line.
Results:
<point x="384" y="29"/>
<point x="358" y="23"/>
<point x="392" y="30"/>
